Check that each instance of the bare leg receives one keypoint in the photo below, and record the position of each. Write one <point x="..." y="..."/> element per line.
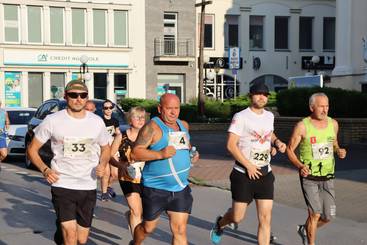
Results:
<point x="136" y="210"/>
<point x="178" y="224"/>
<point x="234" y="214"/>
<point x="143" y="229"/>
<point x="311" y="226"/>
<point x="264" y="208"/>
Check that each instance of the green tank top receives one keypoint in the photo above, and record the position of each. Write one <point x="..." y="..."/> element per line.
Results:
<point x="317" y="151"/>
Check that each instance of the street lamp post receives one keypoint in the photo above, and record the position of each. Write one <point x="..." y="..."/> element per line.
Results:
<point x="201" y="99"/>
<point x="315" y="60"/>
<point x="83" y="69"/>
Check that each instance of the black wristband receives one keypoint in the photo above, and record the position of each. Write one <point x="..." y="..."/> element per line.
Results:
<point x="44" y="170"/>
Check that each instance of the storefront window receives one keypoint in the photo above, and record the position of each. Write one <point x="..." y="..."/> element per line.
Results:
<point x="35" y="89"/>
<point x="57" y="85"/>
<point x="120" y="86"/>
<point x="171" y="83"/>
<point x="100" y="85"/>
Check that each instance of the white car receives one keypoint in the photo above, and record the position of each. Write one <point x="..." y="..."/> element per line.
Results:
<point x="19" y="118"/>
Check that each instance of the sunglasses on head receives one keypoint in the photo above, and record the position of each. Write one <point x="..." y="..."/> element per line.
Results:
<point x="108" y="107"/>
<point x="75" y="95"/>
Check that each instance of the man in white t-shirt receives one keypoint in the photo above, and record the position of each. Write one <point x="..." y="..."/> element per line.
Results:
<point x="79" y="141"/>
<point x="250" y="140"/>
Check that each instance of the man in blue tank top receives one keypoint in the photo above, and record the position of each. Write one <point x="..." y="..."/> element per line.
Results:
<point x="164" y="145"/>
<point x="4" y="126"/>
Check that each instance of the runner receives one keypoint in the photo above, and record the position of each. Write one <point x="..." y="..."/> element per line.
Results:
<point x="79" y="141"/>
<point x="90" y="106"/>
<point x="130" y="171"/>
<point x="249" y="141"/>
<point x="317" y="137"/>
<point x="164" y="145"/>
<point x="4" y="126"/>
<point x="111" y="172"/>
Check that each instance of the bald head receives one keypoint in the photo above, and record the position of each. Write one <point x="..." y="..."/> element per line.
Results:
<point x="166" y="98"/>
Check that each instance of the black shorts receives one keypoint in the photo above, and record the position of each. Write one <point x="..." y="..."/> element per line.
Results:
<point x="74" y="205"/>
<point x="245" y="189"/>
<point x="129" y="187"/>
<point x="155" y="201"/>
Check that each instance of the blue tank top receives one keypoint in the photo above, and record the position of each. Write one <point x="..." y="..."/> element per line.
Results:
<point x="2" y="120"/>
<point x="167" y="174"/>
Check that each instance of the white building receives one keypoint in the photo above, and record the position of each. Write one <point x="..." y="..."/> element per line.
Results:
<point x="277" y="39"/>
<point x="41" y="43"/>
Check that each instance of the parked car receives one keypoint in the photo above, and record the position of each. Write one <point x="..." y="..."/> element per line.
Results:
<point x="19" y="118"/>
<point x="53" y="105"/>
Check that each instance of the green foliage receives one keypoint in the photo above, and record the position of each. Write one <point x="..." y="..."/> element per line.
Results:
<point x="149" y="105"/>
<point x="342" y="103"/>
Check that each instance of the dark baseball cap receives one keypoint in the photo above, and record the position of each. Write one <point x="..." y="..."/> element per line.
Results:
<point x="259" y="88"/>
<point x="76" y="84"/>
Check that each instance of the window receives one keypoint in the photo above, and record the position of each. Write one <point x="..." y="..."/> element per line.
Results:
<point x="305" y="32"/>
<point x="57" y="25"/>
<point x="281" y="32"/>
<point x="170" y="33"/>
<point x="329" y="33"/>
<point x="209" y="31"/>
<point x="34" y="24"/>
<point x="120" y="27"/>
<point x="100" y="85"/>
<point x="35" y="91"/>
<point x="256" y="32"/>
<point x="11" y="23"/>
<point x="231" y="31"/>
<point x="120" y="86"/>
<point x="175" y="84"/>
<point x="99" y="27"/>
<point x="78" y="26"/>
<point x="57" y="85"/>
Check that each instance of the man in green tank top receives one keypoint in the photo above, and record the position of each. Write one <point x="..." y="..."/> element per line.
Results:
<point x="316" y="137"/>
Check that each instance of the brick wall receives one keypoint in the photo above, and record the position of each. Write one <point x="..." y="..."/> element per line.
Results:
<point x="351" y="130"/>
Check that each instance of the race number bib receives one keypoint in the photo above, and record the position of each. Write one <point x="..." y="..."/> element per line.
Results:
<point x="111" y="130"/>
<point x="178" y="140"/>
<point x="259" y="157"/>
<point x="322" y="151"/>
<point x="76" y="147"/>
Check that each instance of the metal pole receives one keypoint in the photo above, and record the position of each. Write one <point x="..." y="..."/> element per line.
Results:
<point x="235" y="86"/>
<point x="222" y="88"/>
<point x="201" y="99"/>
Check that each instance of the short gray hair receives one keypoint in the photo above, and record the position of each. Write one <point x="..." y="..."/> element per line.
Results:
<point x="312" y="99"/>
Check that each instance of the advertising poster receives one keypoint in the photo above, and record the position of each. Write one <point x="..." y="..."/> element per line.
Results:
<point x="12" y="89"/>
<point x="305" y="81"/>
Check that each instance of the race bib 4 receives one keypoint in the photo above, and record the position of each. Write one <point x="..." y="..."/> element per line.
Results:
<point x="178" y="140"/>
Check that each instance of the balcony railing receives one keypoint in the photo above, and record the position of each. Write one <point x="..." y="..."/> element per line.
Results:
<point x="173" y="50"/>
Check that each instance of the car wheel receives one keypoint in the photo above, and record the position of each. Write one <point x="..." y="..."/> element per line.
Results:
<point x="27" y="161"/>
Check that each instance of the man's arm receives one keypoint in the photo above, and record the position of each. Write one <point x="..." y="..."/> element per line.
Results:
<point x="103" y="160"/>
<point x="297" y="135"/>
<point x="50" y="174"/>
<point x="145" y="138"/>
<point x="341" y="152"/>
<point x="196" y="157"/>
<point x="232" y="147"/>
<point x="280" y="145"/>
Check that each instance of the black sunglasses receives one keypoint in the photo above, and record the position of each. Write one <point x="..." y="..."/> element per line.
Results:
<point x="108" y="107"/>
<point x="75" y="95"/>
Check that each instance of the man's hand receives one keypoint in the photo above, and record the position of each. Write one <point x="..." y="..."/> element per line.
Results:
<point x="304" y="171"/>
<point x="281" y="146"/>
<point x="253" y="172"/>
<point x="100" y="170"/>
<point x="341" y="152"/>
<point x="168" y="152"/>
<point x="51" y="176"/>
<point x="195" y="158"/>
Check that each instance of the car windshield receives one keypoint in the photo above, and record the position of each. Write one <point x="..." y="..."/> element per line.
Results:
<point x="20" y="117"/>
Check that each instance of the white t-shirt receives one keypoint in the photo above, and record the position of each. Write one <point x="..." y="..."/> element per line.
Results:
<point x="76" y="147"/>
<point x="255" y="131"/>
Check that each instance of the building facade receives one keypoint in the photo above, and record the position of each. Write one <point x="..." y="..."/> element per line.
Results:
<point x="42" y="42"/>
<point x="351" y="46"/>
<point x="275" y="40"/>
<point x="170" y="48"/>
